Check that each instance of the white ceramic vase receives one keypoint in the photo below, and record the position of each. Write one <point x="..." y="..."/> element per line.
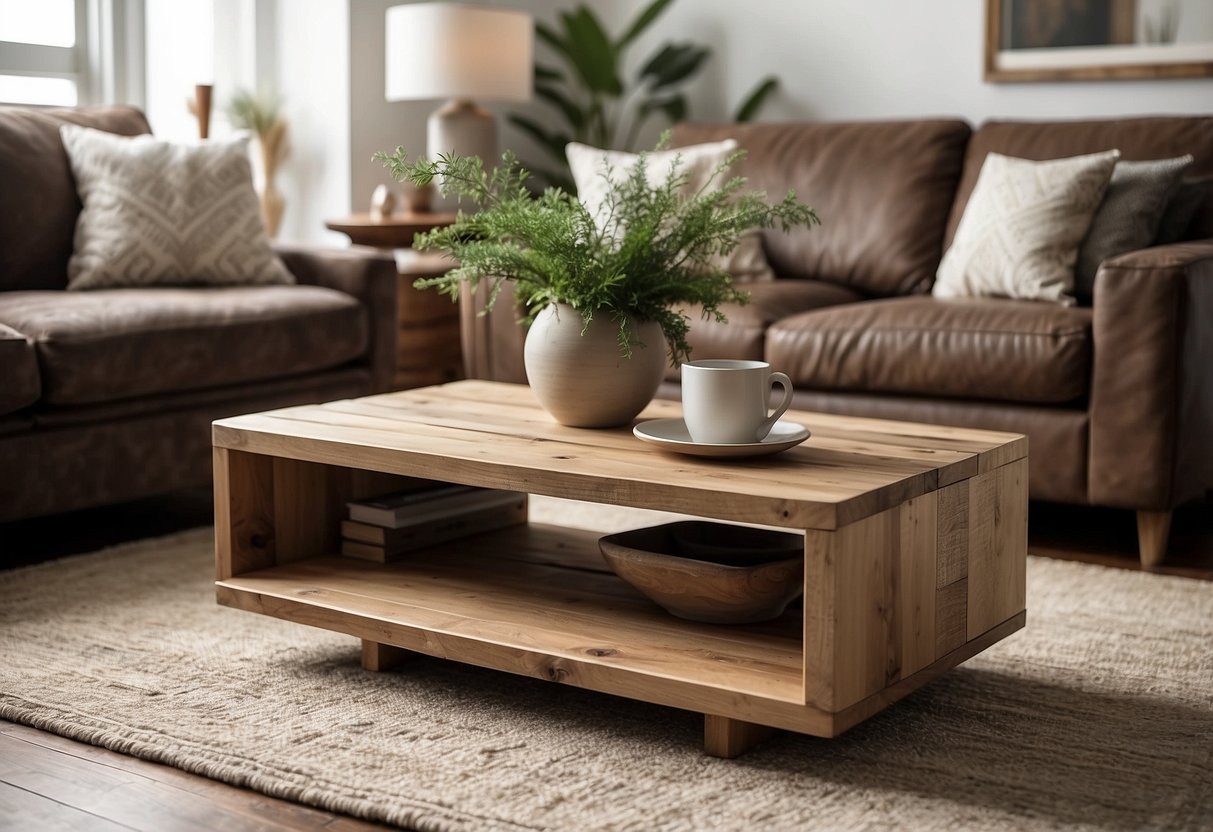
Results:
<point x="585" y="381"/>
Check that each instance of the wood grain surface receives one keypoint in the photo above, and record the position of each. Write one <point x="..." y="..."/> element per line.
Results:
<point x="495" y="435"/>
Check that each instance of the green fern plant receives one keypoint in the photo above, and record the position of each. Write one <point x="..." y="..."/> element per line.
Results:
<point x="653" y="252"/>
<point x="589" y="94"/>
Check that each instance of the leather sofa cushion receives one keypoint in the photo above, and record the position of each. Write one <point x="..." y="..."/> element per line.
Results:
<point x="19" y="385"/>
<point x="113" y="344"/>
<point x="1137" y="139"/>
<point x="349" y="380"/>
<point x="882" y="189"/>
<point x="115" y="454"/>
<point x="744" y="336"/>
<point x="38" y="201"/>
<point x="973" y="348"/>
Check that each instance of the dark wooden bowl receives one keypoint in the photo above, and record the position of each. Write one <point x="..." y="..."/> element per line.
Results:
<point x="702" y="588"/>
<point x="733" y="545"/>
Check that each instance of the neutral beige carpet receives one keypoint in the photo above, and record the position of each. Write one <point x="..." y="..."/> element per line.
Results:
<point x="1099" y="715"/>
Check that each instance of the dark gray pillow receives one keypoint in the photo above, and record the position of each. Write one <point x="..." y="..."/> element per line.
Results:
<point x="1185" y="202"/>
<point x="1129" y="216"/>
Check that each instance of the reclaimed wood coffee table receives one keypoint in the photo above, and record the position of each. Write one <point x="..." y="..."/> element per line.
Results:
<point x="915" y="548"/>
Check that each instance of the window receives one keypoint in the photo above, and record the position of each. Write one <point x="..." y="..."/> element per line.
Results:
<point x="42" y="52"/>
<point x="180" y="53"/>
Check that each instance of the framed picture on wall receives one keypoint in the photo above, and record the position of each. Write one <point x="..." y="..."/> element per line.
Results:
<point x="1050" y="40"/>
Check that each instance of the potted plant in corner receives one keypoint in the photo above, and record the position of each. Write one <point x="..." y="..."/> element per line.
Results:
<point x="604" y="293"/>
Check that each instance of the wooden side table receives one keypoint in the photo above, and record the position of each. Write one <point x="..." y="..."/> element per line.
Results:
<point x="428" y="350"/>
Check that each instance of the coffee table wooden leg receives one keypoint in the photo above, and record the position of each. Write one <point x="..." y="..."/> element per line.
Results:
<point x="379" y="657"/>
<point x="729" y="738"/>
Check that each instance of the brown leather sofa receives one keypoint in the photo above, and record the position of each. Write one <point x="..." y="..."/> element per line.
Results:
<point x="108" y="395"/>
<point x="1115" y="394"/>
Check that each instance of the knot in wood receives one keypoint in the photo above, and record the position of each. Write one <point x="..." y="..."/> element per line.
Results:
<point x="602" y="651"/>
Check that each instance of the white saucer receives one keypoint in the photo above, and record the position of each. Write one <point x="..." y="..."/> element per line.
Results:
<point x="672" y="435"/>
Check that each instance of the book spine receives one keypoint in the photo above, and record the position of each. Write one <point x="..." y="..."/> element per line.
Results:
<point x="363" y="551"/>
<point x="364" y="532"/>
<point x="404" y="499"/>
<point x="431" y="533"/>
<point x="431" y="510"/>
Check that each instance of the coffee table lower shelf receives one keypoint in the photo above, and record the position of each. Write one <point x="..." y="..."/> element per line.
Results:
<point x="539" y="601"/>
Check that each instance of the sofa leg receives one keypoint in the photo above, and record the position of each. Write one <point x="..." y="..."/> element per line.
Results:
<point x="1153" y="529"/>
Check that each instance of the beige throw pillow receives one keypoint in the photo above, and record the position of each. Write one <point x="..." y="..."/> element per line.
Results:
<point x="157" y="213"/>
<point x="1020" y="231"/>
<point x="591" y="167"/>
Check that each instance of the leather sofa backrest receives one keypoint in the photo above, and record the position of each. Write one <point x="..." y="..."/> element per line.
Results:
<point x="38" y="202"/>
<point x="882" y="189"/>
<point x="1158" y="137"/>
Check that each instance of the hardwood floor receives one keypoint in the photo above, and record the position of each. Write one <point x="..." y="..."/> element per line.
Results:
<point x="51" y="783"/>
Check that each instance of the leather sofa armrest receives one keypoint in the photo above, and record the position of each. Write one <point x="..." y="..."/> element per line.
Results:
<point x="1151" y="444"/>
<point x="370" y="276"/>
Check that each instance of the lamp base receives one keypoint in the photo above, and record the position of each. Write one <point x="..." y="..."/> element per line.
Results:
<point x="463" y="128"/>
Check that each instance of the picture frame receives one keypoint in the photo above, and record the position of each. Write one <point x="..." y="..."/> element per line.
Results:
<point x="1096" y="40"/>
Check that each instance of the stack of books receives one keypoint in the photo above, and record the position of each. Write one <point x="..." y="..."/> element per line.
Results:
<point x="389" y="526"/>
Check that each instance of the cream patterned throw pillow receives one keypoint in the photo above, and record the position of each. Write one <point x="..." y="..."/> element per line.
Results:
<point x="591" y="167"/>
<point x="157" y="213"/>
<point x="1020" y="231"/>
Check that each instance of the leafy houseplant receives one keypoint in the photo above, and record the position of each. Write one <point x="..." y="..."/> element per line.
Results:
<point x="589" y="93"/>
<point x="652" y="250"/>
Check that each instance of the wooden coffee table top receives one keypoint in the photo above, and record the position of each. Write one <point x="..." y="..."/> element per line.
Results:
<point x="497" y="435"/>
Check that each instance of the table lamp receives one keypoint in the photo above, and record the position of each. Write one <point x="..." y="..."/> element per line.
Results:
<point x="459" y="53"/>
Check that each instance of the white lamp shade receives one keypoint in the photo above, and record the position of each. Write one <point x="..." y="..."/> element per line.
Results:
<point x="445" y="50"/>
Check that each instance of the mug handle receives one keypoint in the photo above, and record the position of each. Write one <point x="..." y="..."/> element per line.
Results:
<point x="786" y="383"/>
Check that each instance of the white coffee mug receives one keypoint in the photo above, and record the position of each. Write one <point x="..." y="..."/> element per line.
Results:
<point x="724" y="402"/>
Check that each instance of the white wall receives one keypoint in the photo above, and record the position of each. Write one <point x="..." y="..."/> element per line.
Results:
<point x="376" y="124"/>
<point x="836" y="60"/>
<point x="313" y="78"/>
<point x="888" y="59"/>
<point x="861" y="60"/>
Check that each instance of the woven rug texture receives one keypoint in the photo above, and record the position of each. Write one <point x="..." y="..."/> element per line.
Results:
<point x="1099" y="715"/>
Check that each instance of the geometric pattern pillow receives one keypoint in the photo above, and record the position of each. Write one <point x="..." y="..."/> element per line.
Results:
<point x="1128" y="217"/>
<point x="1020" y="231"/>
<point x="162" y="214"/>
<point x="592" y="166"/>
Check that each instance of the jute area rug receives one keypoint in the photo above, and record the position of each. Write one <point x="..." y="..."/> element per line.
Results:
<point x="1098" y="716"/>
